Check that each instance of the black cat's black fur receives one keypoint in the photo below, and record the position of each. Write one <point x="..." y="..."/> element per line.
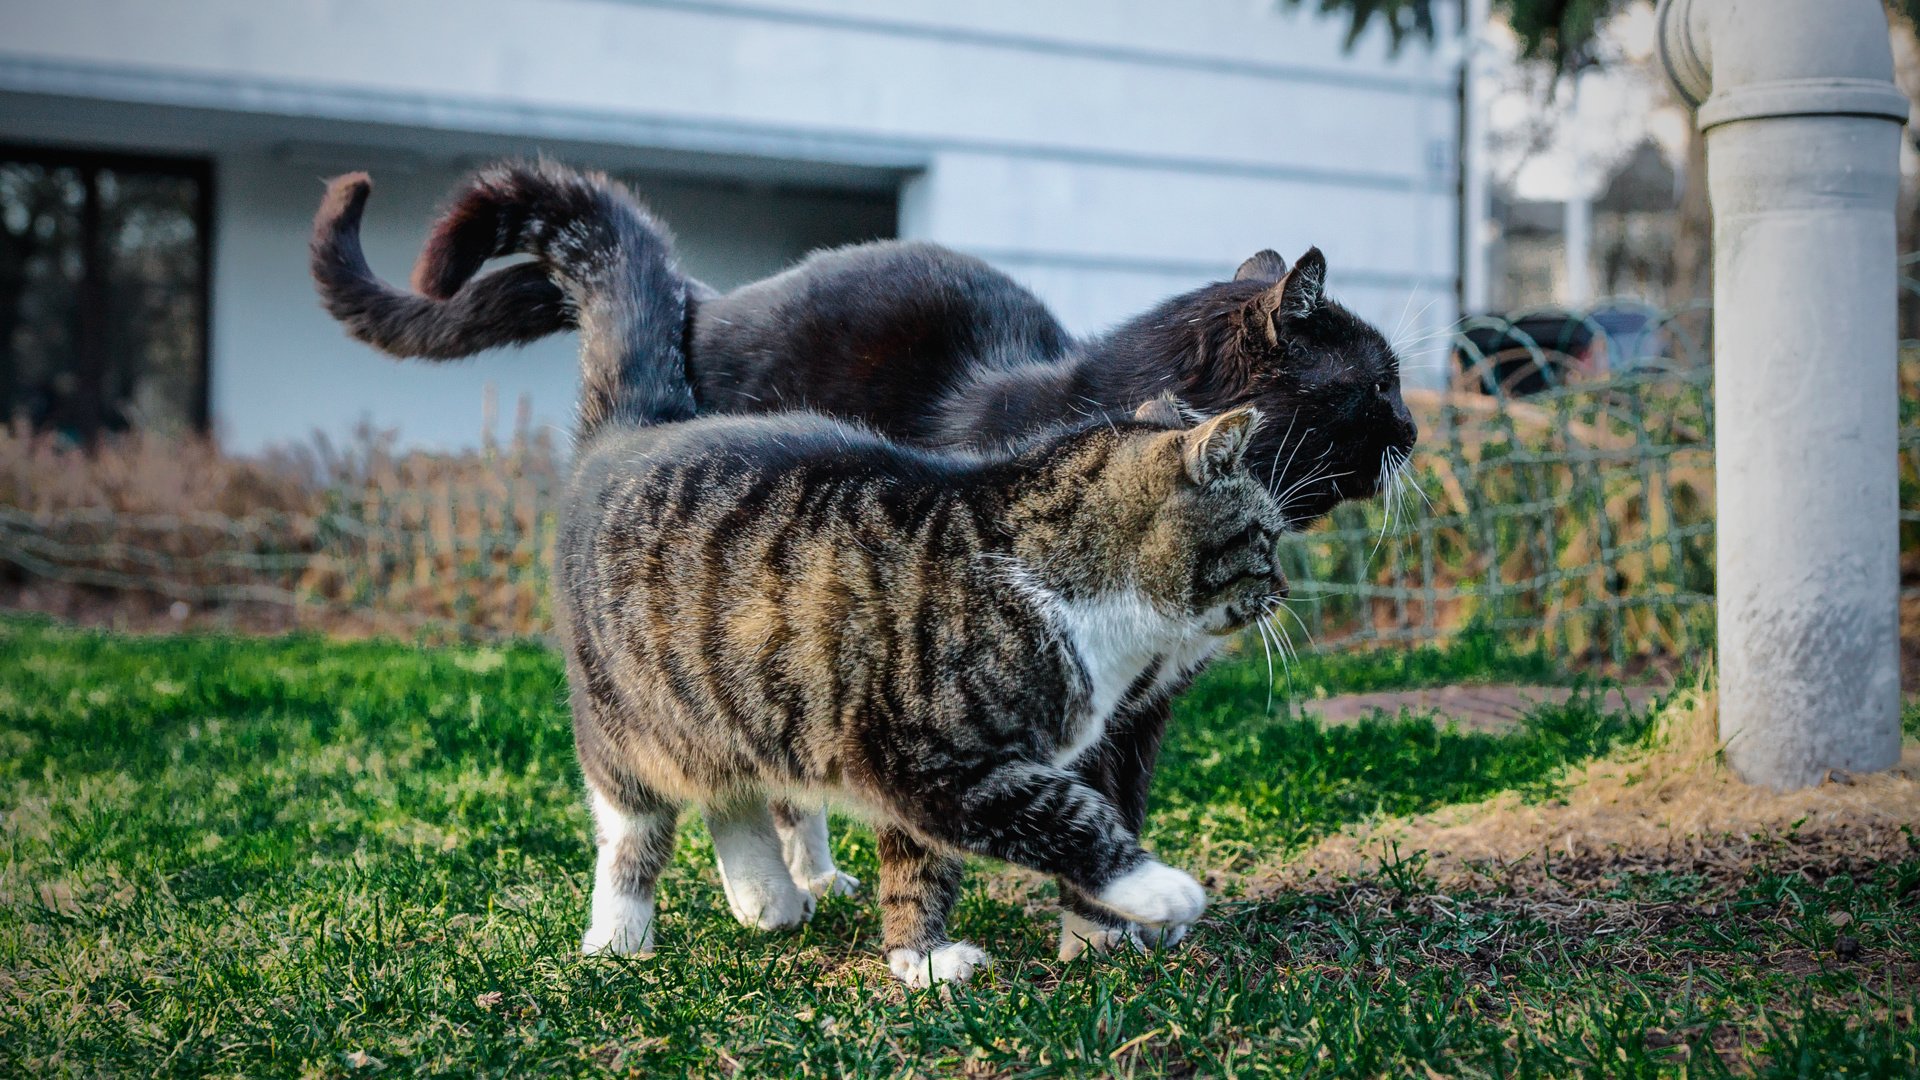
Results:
<point x="927" y="346"/>
<point x="937" y="348"/>
<point x="924" y="344"/>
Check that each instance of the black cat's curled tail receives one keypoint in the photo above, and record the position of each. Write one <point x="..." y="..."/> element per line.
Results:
<point x="607" y="261"/>
<point x="514" y="306"/>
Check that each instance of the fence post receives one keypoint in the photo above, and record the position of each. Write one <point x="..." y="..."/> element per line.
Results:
<point x="1802" y="126"/>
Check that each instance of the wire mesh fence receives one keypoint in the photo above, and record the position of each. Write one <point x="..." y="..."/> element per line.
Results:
<point x="1561" y="496"/>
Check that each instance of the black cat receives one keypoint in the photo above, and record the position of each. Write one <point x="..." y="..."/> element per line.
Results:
<point x="923" y="344"/>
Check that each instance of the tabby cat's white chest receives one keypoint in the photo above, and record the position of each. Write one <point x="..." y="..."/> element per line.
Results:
<point x="1116" y="639"/>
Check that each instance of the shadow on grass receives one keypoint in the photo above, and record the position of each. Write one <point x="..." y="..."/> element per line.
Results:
<point x="1242" y="779"/>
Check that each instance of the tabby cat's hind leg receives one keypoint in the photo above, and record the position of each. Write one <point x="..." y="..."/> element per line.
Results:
<point x="918" y="886"/>
<point x="803" y="844"/>
<point x="634" y="831"/>
<point x="753" y="870"/>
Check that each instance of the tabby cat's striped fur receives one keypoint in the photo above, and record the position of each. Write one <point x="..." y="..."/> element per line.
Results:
<point x="789" y="607"/>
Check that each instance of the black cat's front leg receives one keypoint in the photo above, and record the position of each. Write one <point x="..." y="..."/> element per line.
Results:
<point x="918" y="885"/>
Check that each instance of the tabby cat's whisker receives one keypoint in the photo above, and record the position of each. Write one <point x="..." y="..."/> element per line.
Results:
<point x="1288" y="608"/>
<point x="1260" y="627"/>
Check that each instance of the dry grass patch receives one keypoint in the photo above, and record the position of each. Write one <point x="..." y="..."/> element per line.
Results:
<point x="1669" y="801"/>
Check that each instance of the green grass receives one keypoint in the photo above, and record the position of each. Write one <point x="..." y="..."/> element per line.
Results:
<point x="296" y="857"/>
<point x="1475" y="655"/>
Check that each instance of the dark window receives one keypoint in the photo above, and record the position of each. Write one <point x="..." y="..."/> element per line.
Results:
<point x="103" y="291"/>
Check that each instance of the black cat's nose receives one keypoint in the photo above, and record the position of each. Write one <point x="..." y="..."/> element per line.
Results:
<point x="1403" y="416"/>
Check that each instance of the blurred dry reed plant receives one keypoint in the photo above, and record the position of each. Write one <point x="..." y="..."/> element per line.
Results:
<point x="355" y="536"/>
<point x="1579" y="520"/>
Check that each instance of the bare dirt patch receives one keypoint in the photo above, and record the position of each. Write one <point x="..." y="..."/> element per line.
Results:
<point x="1475" y="708"/>
<point x="1670" y="805"/>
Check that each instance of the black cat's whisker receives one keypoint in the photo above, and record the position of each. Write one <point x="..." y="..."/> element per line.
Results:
<point x="1422" y="492"/>
<point x="1285" y="497"/>
<point x="1286" y="501"/>
<point x="1431" y="335"/>
<point x="1272" y="469"/>
<point x="1397" y="345"/>
<point x="1406" y="468"/>
<point x="1394" y="477"/>
<point x="1386" y="521"/>
<point x="1401" y="324"/>
<point x="1400" y="507"/>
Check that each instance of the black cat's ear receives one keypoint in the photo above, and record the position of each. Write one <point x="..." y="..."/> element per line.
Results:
<point x="1305" y="285"/>
<point x="1298" y="292"/>
<point x="1164" y="411"/>
<point x="1264" y="266"/>
<point x="1218" y="445"/>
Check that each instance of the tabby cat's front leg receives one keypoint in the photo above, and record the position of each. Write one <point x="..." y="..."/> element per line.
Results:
<point x="1119" y="766"/>
<point x="918" y="886"/>
<point x="1046" y="819"/>
<point x="803" y="843"/>
<point x="633" y="830"/>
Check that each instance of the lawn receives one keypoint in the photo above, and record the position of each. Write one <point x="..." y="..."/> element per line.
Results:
<point x="291" y="856"/>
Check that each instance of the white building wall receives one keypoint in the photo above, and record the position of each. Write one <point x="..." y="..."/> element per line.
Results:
<point x="1106" y="152"/>
<point x="283" y="368"/>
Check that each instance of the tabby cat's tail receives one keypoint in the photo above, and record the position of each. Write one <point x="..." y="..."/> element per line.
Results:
<point x="608" y="263"/>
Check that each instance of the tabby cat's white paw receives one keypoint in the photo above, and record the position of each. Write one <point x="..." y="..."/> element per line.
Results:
<point x="1161" y="937"/>
<point x="1154" y="894"/>
<point x="1079" y="935"/>
<point x="768" y="903"/>
<point x="831" y="883"/>
<point x="954" y="962"/>
<point x="621" y="924"/>
<point x="618" y="940"/>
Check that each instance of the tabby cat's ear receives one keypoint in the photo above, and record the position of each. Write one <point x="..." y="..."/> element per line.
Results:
<point x="1163" y="411"/>
<point x="1218" y="445"/>
<point x="1264" y="266"/>
<point x="1294" y="296"/>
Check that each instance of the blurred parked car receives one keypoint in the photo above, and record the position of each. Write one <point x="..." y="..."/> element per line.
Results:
<point x="1533" y="353"/>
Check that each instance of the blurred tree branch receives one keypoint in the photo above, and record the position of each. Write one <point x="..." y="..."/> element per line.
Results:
<point x="1563" y="34"/>
<point x="1559" y="32"/>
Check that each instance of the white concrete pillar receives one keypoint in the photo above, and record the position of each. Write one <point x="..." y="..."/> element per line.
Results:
<point x="1475" y="208"/>
<point x="1576" y="229"/>
<point x="1802" y="123"/>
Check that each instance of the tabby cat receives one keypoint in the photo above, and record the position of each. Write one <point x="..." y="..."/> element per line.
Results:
<point x="927" y="346"/>
<point x="791" y="607"/>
